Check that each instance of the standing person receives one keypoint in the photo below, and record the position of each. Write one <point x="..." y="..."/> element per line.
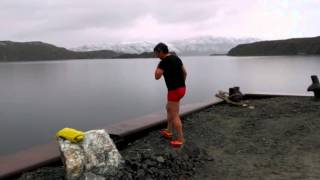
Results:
<point x="174" y="73"/>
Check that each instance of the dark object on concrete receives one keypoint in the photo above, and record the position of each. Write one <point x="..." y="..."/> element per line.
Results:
<point x="225" y="96"/>
<point x="315" y="86"/>
<point x="235" y="94"/>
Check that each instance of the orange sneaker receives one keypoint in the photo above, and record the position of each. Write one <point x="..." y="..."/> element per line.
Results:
<point x="176" y="143"/>
<point x="166" y="134"/>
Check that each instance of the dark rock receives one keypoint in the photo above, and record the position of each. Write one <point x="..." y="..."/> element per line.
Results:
<point x="210" y="159"/>
<point x="160" y="159"/>
<point x="140" y="173"/>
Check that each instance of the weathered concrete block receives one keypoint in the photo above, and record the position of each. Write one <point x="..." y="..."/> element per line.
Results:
<point x="95" y="155"/>
<point x="102" y="156"/>
<point x="73" y="159"/>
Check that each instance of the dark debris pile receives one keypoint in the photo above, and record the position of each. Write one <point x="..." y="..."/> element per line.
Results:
<point x="169" y="164"/>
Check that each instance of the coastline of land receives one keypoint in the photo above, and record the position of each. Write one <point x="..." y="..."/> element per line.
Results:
<point x="294" y="46"/>
<point x="39" y="51"/>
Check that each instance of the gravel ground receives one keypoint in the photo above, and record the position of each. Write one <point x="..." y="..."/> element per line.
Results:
<point x="278" y="139"/>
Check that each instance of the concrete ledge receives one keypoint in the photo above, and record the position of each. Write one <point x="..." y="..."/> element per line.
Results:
<point x="266" y="94"/>
<point x="29" y="159"/>
<point x="135" y="125"/>
<point x="43" y="155"/>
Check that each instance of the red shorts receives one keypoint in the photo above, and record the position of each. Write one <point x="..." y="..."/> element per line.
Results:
<point x="177" y="94"/>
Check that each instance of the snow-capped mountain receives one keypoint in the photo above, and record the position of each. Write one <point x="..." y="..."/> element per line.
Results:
<point x="126" y="47"/>
<point x="209" y="45"/>
<point x="204" y="45"/>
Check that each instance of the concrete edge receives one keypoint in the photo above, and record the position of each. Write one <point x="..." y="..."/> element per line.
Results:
<point x="135" y="125"/>
<point x="32" y="158"/>
<point x="266" y="94"/>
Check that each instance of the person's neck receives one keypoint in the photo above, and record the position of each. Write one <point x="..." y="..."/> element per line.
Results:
<point x="166" y="55"/>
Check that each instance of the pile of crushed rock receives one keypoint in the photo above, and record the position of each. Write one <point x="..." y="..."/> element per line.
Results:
<point x="155" y="159"/>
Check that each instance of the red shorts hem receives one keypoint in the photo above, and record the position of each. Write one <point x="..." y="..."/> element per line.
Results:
<point x="177" y="94"/>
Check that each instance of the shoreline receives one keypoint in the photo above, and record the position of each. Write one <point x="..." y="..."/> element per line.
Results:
<point x="278" y="139"/>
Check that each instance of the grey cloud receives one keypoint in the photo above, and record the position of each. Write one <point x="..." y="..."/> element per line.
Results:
<point x="183" y="11"/>
<point x="68" y="15"/>
<point x="103" y="20"/>
<point x="71" y="14"/>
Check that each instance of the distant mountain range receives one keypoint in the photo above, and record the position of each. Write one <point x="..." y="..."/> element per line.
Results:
<point x="204" y="45"/>
<point x="294" y="46"/>
<point x="37" y="51"/>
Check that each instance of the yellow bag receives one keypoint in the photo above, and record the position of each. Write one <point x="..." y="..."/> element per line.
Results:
<point x="70" y="134"/>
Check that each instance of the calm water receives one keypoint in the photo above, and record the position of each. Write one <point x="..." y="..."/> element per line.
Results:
<point x="39" y="98"/>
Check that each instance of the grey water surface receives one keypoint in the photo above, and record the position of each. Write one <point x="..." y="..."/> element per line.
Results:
<point x="39" y="98"/>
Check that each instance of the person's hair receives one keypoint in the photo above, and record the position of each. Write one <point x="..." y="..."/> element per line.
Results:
<point x="161" y="47"/>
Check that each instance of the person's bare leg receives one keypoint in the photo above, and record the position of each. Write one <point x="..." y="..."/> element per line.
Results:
<point x="173" y="109"/>
<point x="169" y="120"/>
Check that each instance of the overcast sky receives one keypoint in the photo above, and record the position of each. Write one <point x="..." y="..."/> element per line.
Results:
<point x="72" y="23"/>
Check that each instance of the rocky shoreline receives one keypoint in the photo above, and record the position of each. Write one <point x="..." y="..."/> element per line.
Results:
<point x="278" y="139"/>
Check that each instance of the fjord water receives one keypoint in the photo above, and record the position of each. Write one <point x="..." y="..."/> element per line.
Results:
<point x="39" y="98"/>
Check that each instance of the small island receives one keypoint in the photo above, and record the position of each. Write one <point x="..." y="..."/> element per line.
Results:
<point x="295" y="46"/>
